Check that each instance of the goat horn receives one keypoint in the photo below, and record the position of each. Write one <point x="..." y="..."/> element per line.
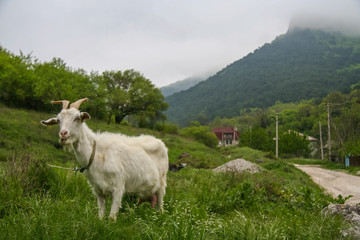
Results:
<point x="77" y="104"/>
<point x="65" y="103"/>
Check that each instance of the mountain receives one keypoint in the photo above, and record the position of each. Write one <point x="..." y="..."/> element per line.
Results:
<point x="181" y="85"/>
<point x="301" y="64"/>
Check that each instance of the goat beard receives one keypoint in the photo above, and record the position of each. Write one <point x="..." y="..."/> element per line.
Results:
<point x="63" y="141"/>
<point x="68" y="147"/>
<point x="66" y="142"/>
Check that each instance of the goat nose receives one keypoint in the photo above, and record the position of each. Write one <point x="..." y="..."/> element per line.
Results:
<point x="63" y="133"/>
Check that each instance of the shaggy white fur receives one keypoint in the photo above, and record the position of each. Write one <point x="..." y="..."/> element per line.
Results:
<point x="121" y="164"/>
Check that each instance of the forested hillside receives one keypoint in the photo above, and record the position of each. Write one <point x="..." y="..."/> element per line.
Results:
<point x="181" y="85"/>
<point x="301" y="64"/>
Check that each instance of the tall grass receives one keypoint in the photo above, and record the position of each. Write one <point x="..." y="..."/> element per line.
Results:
<point x="40" y="202"/>
<point x="199" y="204"/>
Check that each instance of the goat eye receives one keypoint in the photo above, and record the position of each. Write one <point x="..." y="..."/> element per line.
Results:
<point x="77" y="119"/>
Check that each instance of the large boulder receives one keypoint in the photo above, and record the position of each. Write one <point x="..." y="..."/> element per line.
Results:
<point x="351" y="214"/>
<point x="237" y="166"/>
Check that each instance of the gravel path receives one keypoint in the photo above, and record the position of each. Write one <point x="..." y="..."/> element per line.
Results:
<point x="335" y="182"/>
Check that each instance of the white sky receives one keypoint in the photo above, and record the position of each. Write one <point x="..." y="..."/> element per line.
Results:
<point x="165" y="40"/>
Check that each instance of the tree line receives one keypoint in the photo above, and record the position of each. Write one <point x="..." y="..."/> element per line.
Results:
<point x="309" y="117"/>
<point x="25" y="82"/>
<point x="302" y="64"/>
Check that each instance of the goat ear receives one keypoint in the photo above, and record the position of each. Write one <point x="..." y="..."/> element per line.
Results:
<point x="50" y="121"/>
<point x="85" y="116"/>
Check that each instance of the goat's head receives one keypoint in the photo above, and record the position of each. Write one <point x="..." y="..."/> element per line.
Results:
<point x="69" y="120"/>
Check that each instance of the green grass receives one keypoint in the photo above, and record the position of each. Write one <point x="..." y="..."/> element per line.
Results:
<point x="39" y="202"/>
<point x="277" y="203"/>
<point x="22" y="129"/>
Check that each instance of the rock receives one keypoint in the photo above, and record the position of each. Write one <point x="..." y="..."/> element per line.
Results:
<point x="259" y="160"/>
<point x="174" y="168"/>
<point x="184" y="155"/>
<point x="353" y="217"/>
<point x="238" y="166"/>
<point x="343" y="209"/>
<point x="351" y="214"/>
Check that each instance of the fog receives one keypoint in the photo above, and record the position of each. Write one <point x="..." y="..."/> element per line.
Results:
<point x="341" y="16"/>
<point x="164" y="40"/>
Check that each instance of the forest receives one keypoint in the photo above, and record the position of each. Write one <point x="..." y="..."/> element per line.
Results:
<point x="25" y="82"/>
<point x="301" y="64"/>
<point x="337" y="112"/>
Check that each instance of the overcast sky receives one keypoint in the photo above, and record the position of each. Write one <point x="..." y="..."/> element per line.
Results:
<point x="165" y="40"/>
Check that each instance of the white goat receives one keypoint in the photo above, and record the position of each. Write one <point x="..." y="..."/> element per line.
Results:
<point x="113" y="163"/>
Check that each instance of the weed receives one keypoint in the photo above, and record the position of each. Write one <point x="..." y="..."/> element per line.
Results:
<point x="39" y="202"/>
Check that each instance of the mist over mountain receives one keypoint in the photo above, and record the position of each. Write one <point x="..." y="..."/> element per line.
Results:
<point x="182" y="85"/>
<point x="301" y="64"/>
<point x="336" y="16"/>
<point x="346" y="25"/>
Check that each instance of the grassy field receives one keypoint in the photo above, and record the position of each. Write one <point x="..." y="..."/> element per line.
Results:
<point x="40" y="202"/>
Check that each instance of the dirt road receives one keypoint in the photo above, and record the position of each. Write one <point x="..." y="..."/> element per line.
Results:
<point x="335" y="182"/>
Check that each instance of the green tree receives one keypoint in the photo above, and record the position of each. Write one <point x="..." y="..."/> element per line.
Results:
<point x="57" y="81"/>
<point x="128" y="93"/>
<point x="346" y="129"/>
<point x="256" y="138"/>
<point x="292" y="143"/>
<point x="16" y="80"/>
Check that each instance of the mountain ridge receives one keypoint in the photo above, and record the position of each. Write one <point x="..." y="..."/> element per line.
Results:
<point x="300" y="64"/>
<point x="181" y="85"/>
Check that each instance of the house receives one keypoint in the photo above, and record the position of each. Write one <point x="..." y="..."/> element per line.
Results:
<point x="227" y="135"/>
<point x="309" y="138"/>
<point x="313" y="142"/>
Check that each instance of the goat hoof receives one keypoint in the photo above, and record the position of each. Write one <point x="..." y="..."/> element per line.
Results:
<point x="113" y="218"/>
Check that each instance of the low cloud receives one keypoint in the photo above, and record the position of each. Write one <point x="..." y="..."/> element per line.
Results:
<point x="343" y="16"/>
<point x="165" y="40"/>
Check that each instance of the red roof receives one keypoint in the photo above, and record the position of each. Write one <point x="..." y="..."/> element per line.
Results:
<point x="219" y="131"/>
<point x="223" y="129"/>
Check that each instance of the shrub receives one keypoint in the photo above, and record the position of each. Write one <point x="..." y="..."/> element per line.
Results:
<point x="170" y="128"/>
<point x="292" y="144"/>
<point x="350" y="147"/>
<point x="256" y="138"/>
<point x="201" y="134"/>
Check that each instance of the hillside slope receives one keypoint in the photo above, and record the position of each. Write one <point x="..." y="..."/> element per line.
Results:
<point x="21" y="129"/>
<point x="300" y="64"/>
<point x="181" y="85"/>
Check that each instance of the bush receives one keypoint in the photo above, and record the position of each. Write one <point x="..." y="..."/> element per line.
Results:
<point x="169" y="128"/>
<point x="292" y="144"/>
<point x="201" y="134"/>
<point x="256" y="138"/>
<point x="350" y="147"/>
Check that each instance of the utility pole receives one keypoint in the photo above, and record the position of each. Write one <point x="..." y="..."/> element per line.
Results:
<point x="250" y="135"/>
<point x="321" y="143"/>
<point x="277" y="135"/>
<point x="329" y="133"/>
